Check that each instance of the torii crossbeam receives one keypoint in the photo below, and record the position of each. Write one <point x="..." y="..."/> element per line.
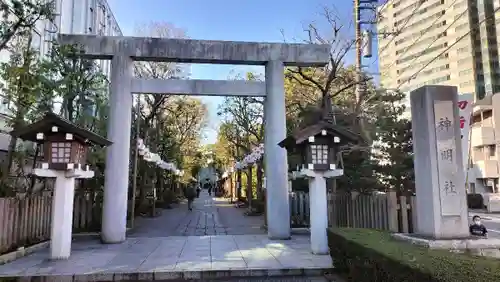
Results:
<point x="123" y="51"/>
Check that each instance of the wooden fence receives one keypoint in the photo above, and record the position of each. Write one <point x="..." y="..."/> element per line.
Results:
<point x="26" y="221"/>
<point x="384" y="211"/>
<point x="299" y="209"/>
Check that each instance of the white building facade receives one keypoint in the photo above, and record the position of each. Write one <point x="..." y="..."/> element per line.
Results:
<point x="71" y="17"/>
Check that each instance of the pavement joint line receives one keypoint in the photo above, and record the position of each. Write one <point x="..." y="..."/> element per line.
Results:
<point x="183" y="246"/>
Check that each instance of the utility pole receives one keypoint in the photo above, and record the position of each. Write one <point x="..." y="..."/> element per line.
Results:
<point x="359" y="46"/>
<point x="363" y="41"/>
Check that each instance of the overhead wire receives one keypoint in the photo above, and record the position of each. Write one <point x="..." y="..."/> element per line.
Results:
<point x="432" y="43"/>
<point x="382" y="7"/>
<point x="400" y="29"/>
<point x="418" y="38"/>
<point x="379" y="12"/>
<point x="453" y="44"/>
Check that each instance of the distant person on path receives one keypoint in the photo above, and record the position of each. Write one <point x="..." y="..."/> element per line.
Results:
<point x="190" y="194"/>
<point x="217" y="188"/>
<point x="477" y="228"/>
<point x="210" y="189"/>
<point x="198" y="190"/>
<point x="208" y="186"/>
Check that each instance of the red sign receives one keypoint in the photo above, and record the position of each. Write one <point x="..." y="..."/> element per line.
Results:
<point x="462" y="121"/>
<point x="462" y="104"/>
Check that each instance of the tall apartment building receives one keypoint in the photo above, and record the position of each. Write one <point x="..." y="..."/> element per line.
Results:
<point x="71" y="17"/>
<point x="449" y="42"/>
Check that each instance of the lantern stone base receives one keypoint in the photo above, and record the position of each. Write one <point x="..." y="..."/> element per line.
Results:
<point x="326" y="174"/>
<point x="62" y="208"/>
<point x="319" y="207"/>
<point x="74" y="173"/>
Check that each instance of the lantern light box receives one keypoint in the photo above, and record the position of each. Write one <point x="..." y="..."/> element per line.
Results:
<point x="318" y="144"/>
<point x="64" y="143"/>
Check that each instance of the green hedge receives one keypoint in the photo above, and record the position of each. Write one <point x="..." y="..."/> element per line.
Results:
<point x="371" y="255"/>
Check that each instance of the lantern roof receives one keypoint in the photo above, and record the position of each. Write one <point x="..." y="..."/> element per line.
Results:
<point x="44" y="125"/>
<point x="301" y="135"/>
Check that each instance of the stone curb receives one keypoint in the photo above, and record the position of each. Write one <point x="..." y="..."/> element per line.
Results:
<point x="293" y="230"/>
<point x="178" y="275"/>
<point x="450" y="244"/>
<point x="24" y="251"/>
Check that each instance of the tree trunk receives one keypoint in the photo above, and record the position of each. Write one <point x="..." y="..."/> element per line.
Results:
<point x="21" y="108"/>
<point x="142" y="200"/>
<point x="249" y="187"/>
<point x="260" y="181"/>
<point x="158" y="170"/>
<point x="10" y="154"/>
<point x="238" y="188"/>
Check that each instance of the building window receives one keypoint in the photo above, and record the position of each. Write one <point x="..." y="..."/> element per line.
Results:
<point x="465" y="72"/>
<point x="416" y="55"/>
<point x="465" y="84"/>
<point x="37" y="40"/>
<point x="91" y="20"/>
<point x="472" y="187"/>
<point x="439" y="79"/>
<point x="492" y="150"/>
<point x="459" y="5"/>
<point x="463" y="61"/>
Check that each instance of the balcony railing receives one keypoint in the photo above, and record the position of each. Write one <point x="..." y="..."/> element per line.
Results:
<point x="486" y="169"/>
<point x="482" y="136"/>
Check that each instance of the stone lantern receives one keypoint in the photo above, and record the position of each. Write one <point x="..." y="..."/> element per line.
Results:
<point x="318" y="146"/>
<point x="64" y="143"/>
<point x="65" y="148"/>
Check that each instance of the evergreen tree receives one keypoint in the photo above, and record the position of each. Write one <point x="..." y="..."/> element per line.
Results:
<point x="394" y="148"/>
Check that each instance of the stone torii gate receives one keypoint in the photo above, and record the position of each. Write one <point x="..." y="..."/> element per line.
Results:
<point x="123" y="51"/>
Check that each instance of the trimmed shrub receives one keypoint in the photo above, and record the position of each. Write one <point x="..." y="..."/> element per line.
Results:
<point x="374" y="256"/>
<point x="475" y="201"/>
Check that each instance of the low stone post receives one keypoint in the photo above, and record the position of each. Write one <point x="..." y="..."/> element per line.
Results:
<point x="318" y="207"/>
<point x="61" y="231"/>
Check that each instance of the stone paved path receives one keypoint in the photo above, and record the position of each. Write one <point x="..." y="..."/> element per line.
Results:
<point x="164" y="258"/>
<point x="200" y="245"/>
<point x="210" y="216"/>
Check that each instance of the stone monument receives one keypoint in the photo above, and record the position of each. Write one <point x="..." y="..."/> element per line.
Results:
<point x="439" y="177"/>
